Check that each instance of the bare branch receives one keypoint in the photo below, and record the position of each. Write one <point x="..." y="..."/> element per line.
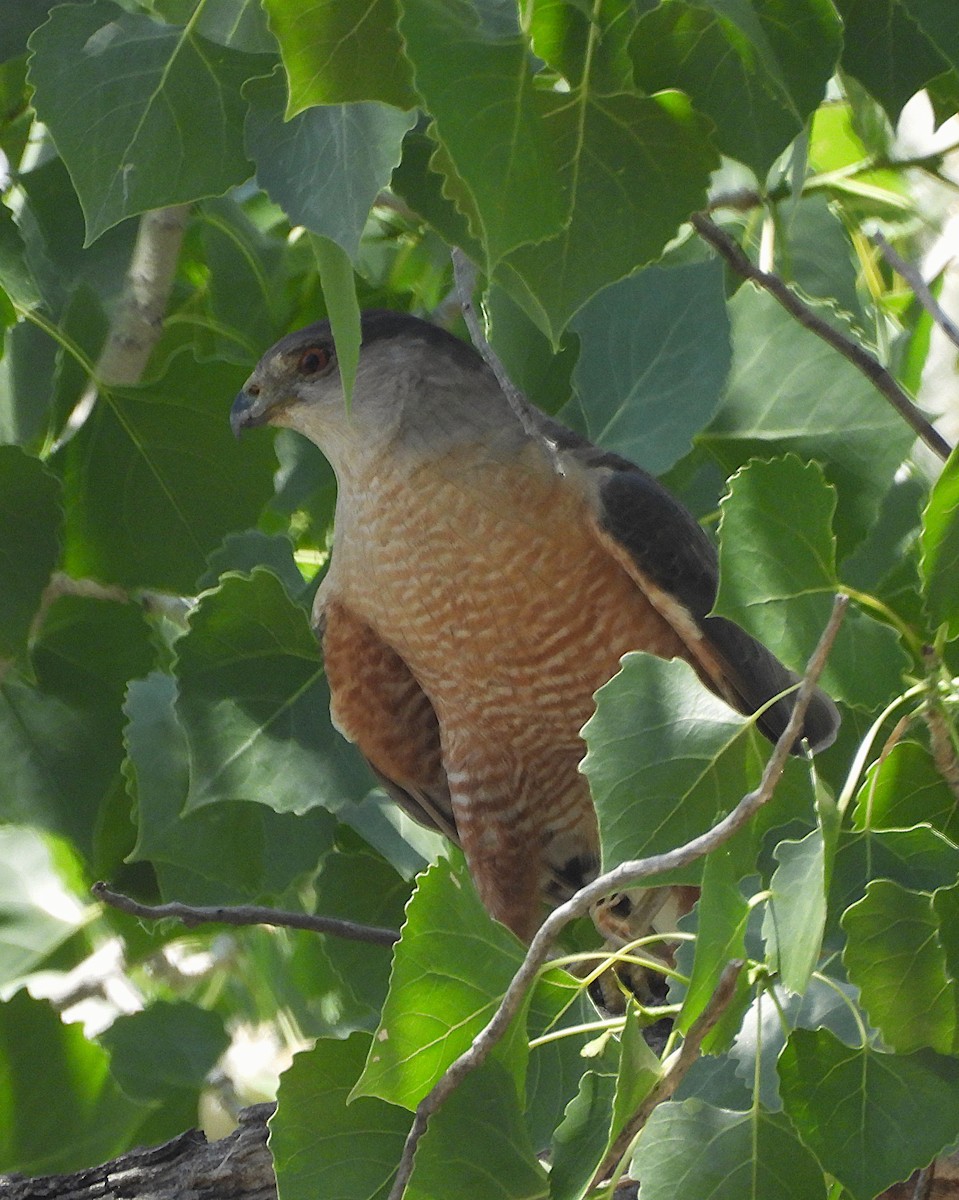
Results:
<point x="627" y="875"/>
<point x="919" y="286"/>
<point x="245" y="914"/>
<point x="687" y="1054"/>
<point x="871" y="367"/>
<point x="237" y="1167"/>
<point x="138" y="320"/>
<point x="464" y="273"/>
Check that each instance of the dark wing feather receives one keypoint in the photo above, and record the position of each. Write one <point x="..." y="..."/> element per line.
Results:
<point x="674" y="562"/>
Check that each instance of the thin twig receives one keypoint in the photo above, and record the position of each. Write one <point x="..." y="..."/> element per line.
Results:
<point x="871" y="367"/>
<point x="924" y="1182"/>
<point x="687" y="1054"/>
<point x="919" y="286"/>
<point x="464" y="275"/>
<point x="627" y="875"/>
<point x="245" y="914"/>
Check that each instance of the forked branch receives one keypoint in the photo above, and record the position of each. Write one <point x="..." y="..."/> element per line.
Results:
<point x="627" y="875"/>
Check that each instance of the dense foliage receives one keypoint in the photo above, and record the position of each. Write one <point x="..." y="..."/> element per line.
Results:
<point x="163" y="711"/>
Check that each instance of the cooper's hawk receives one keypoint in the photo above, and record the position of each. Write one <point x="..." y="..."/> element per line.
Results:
<point x="484" y="582"/>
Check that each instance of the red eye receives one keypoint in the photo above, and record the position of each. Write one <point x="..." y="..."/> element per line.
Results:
<point x="315" y="359"/>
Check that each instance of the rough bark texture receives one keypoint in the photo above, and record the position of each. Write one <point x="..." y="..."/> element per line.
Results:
<point x="238" y="1167"/>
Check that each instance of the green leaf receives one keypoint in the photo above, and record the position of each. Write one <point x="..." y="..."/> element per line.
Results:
<point x="60" y="739"/>
<point x="324" y="1146"/>
<point x="30" y="519"/>
<point x="68" y="1115"/>
<point x="940" y="548"/>
<point x="340" y="51"/>
<point x="16" y="277"/>
<point x="166" y="1047"/>
<point x="327" y="165"/>
<point x="144" y="114"/>
<point x="654" y="353"/>
<point x="919" y="859"/>
<point x="616" y="148"/>
<point x="582" y="1137"/>
<point x="581" y="41"/>
<point x="778" y="580"/>
<point x="790" y="391"/>
<point x="697" y="49"/>
<point x="886" y="51"/>
<point x="344" y="983"/>
<point x="870" y="1118"/>
<point x="255" y="706"/>
<point x="903" y="788"/>
<point x="226" y="853"/>
<point x="723" y="915"/>
<point x="339" y="293"/>
<point x="488" y="115"/>
<point x="476" y="1146"/>
<point x="154" y="480"/>
<point x="894" y="957"/>
<point x="937" y="19"/>
<point x="450" y="970"/>
<point x="38" y="912"/>
<point x="665" y="757"/>
<point x="691" y="1149"/>
<point x="796" y="912"/>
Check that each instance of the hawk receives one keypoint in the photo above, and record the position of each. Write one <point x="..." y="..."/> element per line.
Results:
<point x="486" y="577"/>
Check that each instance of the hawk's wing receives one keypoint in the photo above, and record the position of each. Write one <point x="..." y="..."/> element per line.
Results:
<point x="377" y="704"/>
<point x="670" y="558"/>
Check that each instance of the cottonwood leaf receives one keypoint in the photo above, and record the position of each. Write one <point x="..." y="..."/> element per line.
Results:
<point x="871" y="1118"/>
<point x="665" y="757"/>
<point x="166" y="1047"/>
<point x="30" y="520"/>
<point x="70" y="1114"/>
<point x="777" y="578"/>
<point x="144" y="114"/>
<point x="154" y="480"/>
<point x="341" y="51"/>
<point x="326" y="165"/>
<point x="654" y="354"/>
<point x="887" y="52"/>
<point x="232" y="852"/>
<point x="789" y="391"/>
<point x="255" y="704"/>
<point x="450" y="970"/>
<point x="940" y="548"/>
<point x="321" y="1144"/>
<point x="489" y="116"/>
<point x="691" y="1149"/>
<point x="614" y="149"/>
<point x="60" y="736"/>
<point x="894" y="957"/>
<point x="795" y="916"/>
<point x="476" y="1146"/>
<point x="905" y="788"/>
<point x="37" y="911"/>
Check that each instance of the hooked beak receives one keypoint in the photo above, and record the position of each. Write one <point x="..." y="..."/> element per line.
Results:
<point x="248" y="410"/>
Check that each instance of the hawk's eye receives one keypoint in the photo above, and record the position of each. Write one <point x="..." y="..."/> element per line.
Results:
<point x="315" y="359"/>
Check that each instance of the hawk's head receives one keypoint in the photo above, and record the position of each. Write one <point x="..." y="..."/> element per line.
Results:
<point x="415" y="383"/>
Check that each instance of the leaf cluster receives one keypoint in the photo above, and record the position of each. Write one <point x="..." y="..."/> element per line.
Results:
<point x="164" y="716"/>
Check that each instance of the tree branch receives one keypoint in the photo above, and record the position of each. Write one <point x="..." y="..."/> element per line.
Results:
<point x="627" y="875"/>
<point x="920" y="288"/>
<point x="138" y="320"/>
<point x="871" y="367"/>
<point x="245" y="914"/>
<point x="237" y="1167"/>
<point x="687" y="1054"/>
